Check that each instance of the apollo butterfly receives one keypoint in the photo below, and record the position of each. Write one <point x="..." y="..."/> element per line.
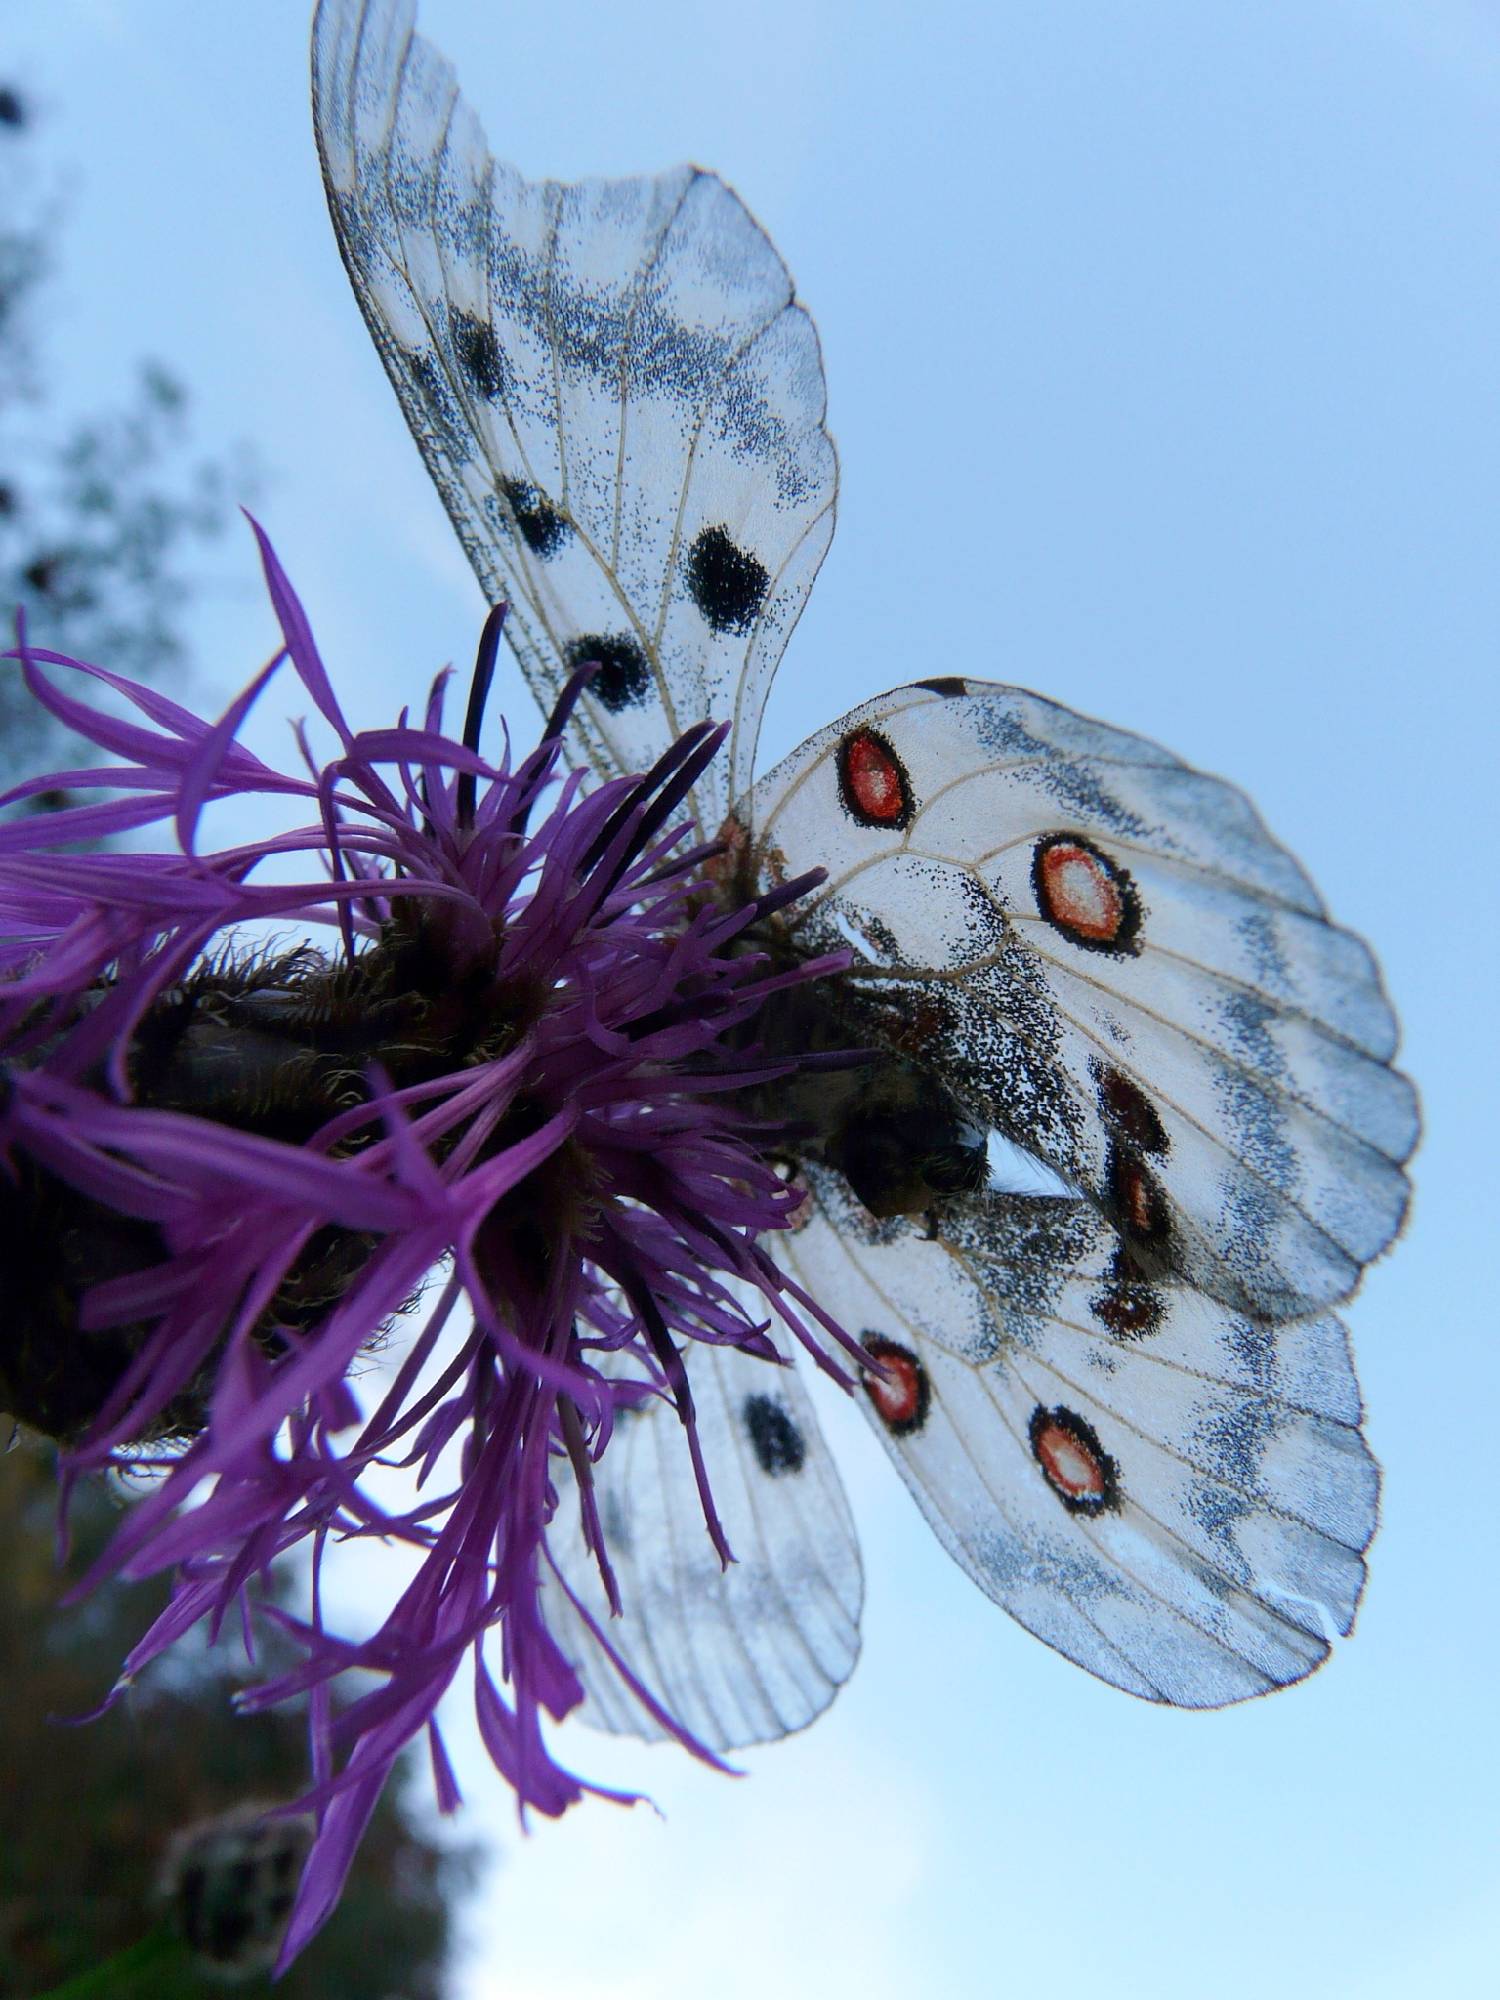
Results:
<point x="1124" y="1403"/>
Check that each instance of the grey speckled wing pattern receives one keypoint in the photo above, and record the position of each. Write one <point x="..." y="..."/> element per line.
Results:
<point x="1174" y="1495"/>
<point x="613" y="386"/>
<point x="1125" y="1411"/>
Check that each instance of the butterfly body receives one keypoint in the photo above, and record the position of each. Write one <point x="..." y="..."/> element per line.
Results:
<point x="1124" y="1404"/>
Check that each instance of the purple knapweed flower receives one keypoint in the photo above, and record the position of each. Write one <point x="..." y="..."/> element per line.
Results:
<point x="519" y="1061"/>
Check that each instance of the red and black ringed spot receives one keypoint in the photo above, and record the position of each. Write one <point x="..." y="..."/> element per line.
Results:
<point x="1074" y="1463"/>
<point x="1127" y="1108"/>
<point x="1130" y="1308"/>
<point x="872" y="781"/>
<point x="902" y="1395"/>
<point x="1085" y="896"/>
<point x="1141" y="1208"/>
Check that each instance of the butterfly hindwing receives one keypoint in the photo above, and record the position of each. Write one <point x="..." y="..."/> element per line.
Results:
<point x="1106" y="956"/>
<point x="738" y="1655"/>
<point x="613" y="386"/>
<point x="1175" y="1496"/>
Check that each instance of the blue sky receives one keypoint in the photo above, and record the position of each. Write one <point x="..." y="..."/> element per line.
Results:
<point x="1160" y="343"/>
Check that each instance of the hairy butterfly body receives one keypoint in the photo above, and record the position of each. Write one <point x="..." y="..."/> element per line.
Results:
<point x="1123" y="1402"/>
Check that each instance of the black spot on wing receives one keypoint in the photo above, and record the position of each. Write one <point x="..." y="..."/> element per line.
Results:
<point x="778" y="1445"/>
<point x="542" y="528"/>
<point x="728" y="584"/>
<point x="478" y="354"/>
<point x="613" y="1519"/>
<point x="443" y="417"/>
<point x="624" y="676"/>
<point x="947" y="685"/>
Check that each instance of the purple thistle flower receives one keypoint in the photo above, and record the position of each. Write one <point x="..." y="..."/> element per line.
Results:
<point x="522" y="1056"/>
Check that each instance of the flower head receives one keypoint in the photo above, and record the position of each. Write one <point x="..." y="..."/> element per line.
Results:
<point x="227" y="1885"/>
<point x="520" y="1058"/>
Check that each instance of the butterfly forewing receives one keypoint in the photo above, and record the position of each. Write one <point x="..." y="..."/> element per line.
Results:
<point x="1107" y="956"/>
<point x="738" y="1655"/>
<point x="613" y="387"/>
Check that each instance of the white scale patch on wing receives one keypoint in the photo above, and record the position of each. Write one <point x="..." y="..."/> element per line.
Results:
<point x="1105" y="954"/>
<point x="613" y="387"/>
<point x="1175" y="1496"/>
<point x="738" y="1655"/>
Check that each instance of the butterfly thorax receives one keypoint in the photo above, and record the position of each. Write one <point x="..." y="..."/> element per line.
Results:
<point x="894" y="1131"/>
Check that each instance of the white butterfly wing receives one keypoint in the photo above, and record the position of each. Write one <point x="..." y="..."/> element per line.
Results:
<point x="1178" y="1504"/>
<point x="1106" y="954"/>
<point x="613" y="387"/>
<point x="1125" y="1414"/>
<point x="738" y="1655"/>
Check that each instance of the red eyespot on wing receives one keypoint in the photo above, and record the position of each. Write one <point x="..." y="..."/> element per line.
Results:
<point x="1084" y="895"/>
<point x="1139" y="1202"/>
<point x="1129" y="1110"/>
<point x="1130" y="1308"/>
<point x="872" y="780"/>
<point x="902" y="1394"/>
<point x="1074" y="1463"/>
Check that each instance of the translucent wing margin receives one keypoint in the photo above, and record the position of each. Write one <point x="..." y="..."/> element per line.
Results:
<point x="611" y="383"/>
<point x="739" y="1655"/>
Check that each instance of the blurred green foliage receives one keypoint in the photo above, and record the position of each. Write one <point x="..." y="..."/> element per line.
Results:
<point x="92" y="1805"/>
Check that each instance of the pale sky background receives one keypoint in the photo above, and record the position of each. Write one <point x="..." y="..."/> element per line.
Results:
<point x="1161" y="344"/>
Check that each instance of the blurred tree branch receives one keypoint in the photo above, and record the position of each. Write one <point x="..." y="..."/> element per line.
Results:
<point x="99" y="518"/>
